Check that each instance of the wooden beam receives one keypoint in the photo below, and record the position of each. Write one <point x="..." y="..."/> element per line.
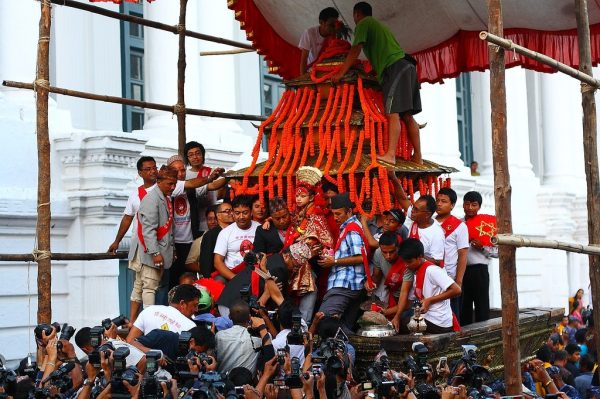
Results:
<point x="181" y="64"/>
<point x="590" y="154"/>
<point x="64" y="256"/>
<point x="135" y="103"/>
<point x="541" y="58"/>
<point x="225" y="52"/>
<point x="42" y="231"/>
<point x="502" y="194"/>
<point x="521" y="241"/>
<point x="148" y="23"/>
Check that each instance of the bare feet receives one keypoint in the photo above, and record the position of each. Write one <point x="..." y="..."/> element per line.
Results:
<point x="388" y="159"/>
<point x="416" y="158"/>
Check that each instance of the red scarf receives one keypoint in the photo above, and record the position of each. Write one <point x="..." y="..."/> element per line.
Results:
<point x="420" y="280"/>
<point x="352" y="226"/>
<point x="142" y="192"/>
<point x="235" y="270"/>
<point x="161" y="231"/>
<point x="393" y="280"/>
<point x="204" y="171"/>
<point x="291" y="234"/>
<point x="414" y="231"/>
<point x="450" y="224"/>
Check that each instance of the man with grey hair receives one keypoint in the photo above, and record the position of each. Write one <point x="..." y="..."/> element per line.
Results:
<point x="272" y="239"/>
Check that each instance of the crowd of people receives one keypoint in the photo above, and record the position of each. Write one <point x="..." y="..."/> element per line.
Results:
<point x="244" y="298"/>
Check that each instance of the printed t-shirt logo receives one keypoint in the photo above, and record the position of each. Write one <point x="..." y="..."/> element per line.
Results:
<point x="165" y="327"/>
<point x="245" y="247"/>
<point x="181" y="205"/>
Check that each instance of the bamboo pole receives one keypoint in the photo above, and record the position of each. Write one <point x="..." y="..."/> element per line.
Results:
<point x="44" y="277"/>
<point x="502" y="194"/>
<point x="148" y="23"/>
<point x="64" y="256"/>
<point x="590" y="154"/>
<point x="136" y="103"/>
<point x="181" y="64"/>
<point x="225" y="52"/>
<point x="521" y="241"/>
<point x="541" y="58"/>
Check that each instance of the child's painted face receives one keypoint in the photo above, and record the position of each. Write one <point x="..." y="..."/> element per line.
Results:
<point x="303" y="198"/>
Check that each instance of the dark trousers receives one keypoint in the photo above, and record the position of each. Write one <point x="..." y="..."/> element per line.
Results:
<point x="456" y="305"/>
<point x="178" y="267"/>
<point x="475" y="293"/>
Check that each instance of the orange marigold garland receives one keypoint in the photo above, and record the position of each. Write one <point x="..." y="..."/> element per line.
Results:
<point x="311" y="126"/>
<point x="348" y="115"/>
<point x="324" y="117"/>
<point x="352" y="171"/>
<point x="340" y="172"/>
<point x="338" y="123"/>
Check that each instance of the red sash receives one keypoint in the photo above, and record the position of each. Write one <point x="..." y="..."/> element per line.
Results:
<point x="255" y="284"/>
<point x="291" y="234"/>
<point x="353" y="226"/>
<point x="414" y="231"/>
<point x="420" y="280"/>
<point x="204" y="171"/>
<point x="161" y="231"/>
<point x="450" y="224"/>
<point x="142" y="192"/>
<point x="394" y="279"/>
<point x="235" y="270"/>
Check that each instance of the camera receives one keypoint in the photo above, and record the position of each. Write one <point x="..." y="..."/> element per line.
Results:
<point x="66" y="333"/>
<point x="209" y="384"/>
<point x="150" y="388"/>
<point x="251" y="300"/>
<point x="118" y="321"/>
<point x="8" y="379"/>
<point x="474" y="376"/>
<point x="418" y="364"/>
<point x="121" y="373"/>
<point x="46" y="328"/>
<point x="379" y="382"/>
<point x="296" y="337"/>
<point x="94" y="357"/>
<point x="281" y="352"/>
<point x="293" y="380"/>
<point x="60" y="377"/>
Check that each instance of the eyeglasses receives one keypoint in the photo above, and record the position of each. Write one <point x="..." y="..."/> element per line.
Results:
<point x="226" y="211"/>
<point x="149" y="169"/>
<point x="194" y="154"/>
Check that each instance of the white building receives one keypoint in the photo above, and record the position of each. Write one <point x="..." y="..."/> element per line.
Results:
<point x="93" y="156"/>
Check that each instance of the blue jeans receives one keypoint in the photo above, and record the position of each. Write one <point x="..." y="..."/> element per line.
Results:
<point x="162" y="293"/>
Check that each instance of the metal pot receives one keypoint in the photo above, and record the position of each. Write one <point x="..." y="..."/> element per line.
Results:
<point x="377" y="331"/>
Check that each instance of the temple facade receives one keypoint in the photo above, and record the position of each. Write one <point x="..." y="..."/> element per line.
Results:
<point x="93" y="155"/>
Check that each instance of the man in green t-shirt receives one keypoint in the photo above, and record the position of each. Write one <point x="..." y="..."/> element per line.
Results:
<point x="397" y="75"/>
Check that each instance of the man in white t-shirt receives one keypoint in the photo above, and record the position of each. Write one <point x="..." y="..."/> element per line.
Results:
<point x="176" y="317"/>
<point x="236" y="240"/>
<point x="182" y="222"/>
<point x="432" y="285"/>
<point x="457" y="240"/>
<point x="312" y="39"/>
<point x="426" y="230"/>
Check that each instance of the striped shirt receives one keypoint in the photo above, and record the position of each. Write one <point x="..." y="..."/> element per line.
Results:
<point x="351" y="277"/>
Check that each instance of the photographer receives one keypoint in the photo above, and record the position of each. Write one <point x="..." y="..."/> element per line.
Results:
<point x="433" y="287"/>
<point x="176" y="317"/>
<point x="286" y="313"/>
<point x="83" y="339"/>
<point x="236" y="347"/>
<point x="60" y="351"/>
<point x="202" y="340"/>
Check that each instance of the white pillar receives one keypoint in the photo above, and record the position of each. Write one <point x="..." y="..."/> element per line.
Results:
<point x="439" y="139"/>
<point x="481" y="121"/>
<point x="160" y="67"/>
<point x="18" y="53"/>
<point x="517" y="123"/>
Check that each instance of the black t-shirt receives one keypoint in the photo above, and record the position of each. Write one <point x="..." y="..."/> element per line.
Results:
<point x="231" y="293"/>
<point x="166" y="341"/>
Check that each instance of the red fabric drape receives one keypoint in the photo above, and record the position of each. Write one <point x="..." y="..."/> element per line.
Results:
<point x="281" y="55"/>
<point x="463" y="52"/>
<point x="117" y="1"/>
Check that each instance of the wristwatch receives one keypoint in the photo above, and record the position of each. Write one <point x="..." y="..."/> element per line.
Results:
<point x="87" y="383"/>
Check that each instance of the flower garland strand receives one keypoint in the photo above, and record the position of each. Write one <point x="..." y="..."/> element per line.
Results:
<point x="324" y="117"/>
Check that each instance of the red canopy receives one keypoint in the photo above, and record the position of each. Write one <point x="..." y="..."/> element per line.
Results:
<point x="441" y="34"/>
